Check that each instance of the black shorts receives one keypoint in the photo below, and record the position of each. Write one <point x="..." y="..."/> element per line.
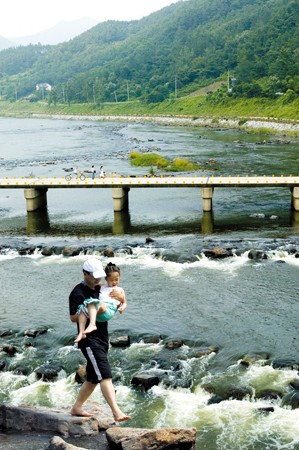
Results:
<point x="98" y="367"/>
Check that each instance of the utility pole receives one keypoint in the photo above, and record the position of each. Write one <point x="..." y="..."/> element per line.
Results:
<point x="175" y="88"/>
<point x="63" y="94"/>
<point x="128" y="92"/>
<point x="94" y="97"/>
<point x="115" y="96"/>
<point x="228" y="80"/>
<point x="16" y="91"/>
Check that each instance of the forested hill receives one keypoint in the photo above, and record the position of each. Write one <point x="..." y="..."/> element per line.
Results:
<point x="192" y="41"/>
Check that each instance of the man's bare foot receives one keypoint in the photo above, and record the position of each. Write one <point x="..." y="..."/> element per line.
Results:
<point x="80" y="412"/>
<point x="122" y="419"/>
<point x="90" y="328"/>
<point x="119" y="416"/>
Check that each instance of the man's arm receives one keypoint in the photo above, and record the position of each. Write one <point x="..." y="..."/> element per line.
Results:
<point x="74" y="317"/>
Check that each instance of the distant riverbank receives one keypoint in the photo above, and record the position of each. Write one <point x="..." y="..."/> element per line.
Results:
<point x="161" y="113"/>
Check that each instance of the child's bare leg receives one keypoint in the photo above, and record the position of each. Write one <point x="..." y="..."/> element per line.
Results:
<point x="82" y="324"/>
<point x="92" y="311"/>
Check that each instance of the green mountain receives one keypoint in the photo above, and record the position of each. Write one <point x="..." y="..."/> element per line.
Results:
<point x="188" y="44"/>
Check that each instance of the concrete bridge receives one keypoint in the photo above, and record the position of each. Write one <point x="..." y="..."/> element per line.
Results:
<point x="35" y="189"/>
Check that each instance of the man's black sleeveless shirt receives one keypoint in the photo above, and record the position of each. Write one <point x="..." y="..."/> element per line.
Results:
<point x="99" y="337"/>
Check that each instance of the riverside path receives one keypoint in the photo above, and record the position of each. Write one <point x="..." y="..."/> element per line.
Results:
<point x="35" y="189"/>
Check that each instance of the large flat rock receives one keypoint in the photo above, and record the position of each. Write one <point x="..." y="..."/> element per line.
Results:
<point x="145" y="439"/>
<point x="27" y="418"/>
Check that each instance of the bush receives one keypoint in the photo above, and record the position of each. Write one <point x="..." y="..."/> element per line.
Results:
<point x="242" y="121"/>
<point x="134" y="155"/>
<point x="150" y="159"/>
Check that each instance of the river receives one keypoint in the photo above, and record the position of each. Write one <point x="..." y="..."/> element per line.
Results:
<point x="234" y="306"/>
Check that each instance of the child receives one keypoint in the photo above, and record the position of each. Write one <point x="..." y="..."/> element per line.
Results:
<point x="90" y="307"/>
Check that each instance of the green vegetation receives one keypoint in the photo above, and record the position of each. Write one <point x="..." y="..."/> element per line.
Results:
<point x="141" y="66"/>
<point x="153" y="159"/>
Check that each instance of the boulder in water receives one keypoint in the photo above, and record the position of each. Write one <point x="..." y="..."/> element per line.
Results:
<point x="48" y="371"/>
<point x="109" y="252"/>
<point x="9" y="349"/>
<point x="269" y="394"/>
<point x="291" y="400"/>
<point x="140" y="438"/>
<point x="80" y="376"/>
<point x="146" y="380"/>
<point x="236" y="393"/>
<point x="257" y="254"/>
<point x="70" y="251"/>
<point x="218" y="253"/>
<point x="33" y="333"/>
<point x="120" y="339"/>
<point x="285" y="364"/>
<point x="176" y="343"/>
<point x="48" y="251"/>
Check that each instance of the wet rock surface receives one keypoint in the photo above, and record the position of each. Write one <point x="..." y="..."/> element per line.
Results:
<point x="141" y="439"/>
<point x="28" y="418"/>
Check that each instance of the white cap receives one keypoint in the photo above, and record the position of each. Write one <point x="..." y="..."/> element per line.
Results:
<point x="94" y="267"/>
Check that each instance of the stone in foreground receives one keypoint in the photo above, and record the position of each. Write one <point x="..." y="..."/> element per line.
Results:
<point x="59" y="421"/>
<point x="143" y="439"/>
<point x="57" y="443"/>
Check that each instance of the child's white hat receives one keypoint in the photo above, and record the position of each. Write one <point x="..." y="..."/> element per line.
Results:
<point x="94" y="267"/>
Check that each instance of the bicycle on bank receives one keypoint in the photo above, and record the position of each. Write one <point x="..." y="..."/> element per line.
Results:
<point x="78" y="176"/>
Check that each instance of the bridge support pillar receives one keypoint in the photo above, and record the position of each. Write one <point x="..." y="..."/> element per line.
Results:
<point x="35" y="198"/>
<point x="295" y="198"/>
<point x="207" y="194"/>
<point x="120" y="198"/>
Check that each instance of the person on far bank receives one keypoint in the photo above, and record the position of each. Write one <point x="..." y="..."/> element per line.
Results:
<point x="93" y="171"/>
<point x="95" y="346"/>
<point x="101" y="172"/>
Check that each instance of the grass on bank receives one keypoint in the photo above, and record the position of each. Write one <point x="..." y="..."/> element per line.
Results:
<point x="154" y="159"/>
<point x="194" y="107"/>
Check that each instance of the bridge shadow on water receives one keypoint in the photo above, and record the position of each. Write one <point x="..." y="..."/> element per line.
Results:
<point x="39" y="222"/>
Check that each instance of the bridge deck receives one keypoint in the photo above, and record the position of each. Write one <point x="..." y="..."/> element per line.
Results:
<point x="146" y="182"/>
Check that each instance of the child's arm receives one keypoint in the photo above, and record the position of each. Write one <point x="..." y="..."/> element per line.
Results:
<point x="123" y="301"/>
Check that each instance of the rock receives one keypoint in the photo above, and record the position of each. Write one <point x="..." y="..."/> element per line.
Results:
<point x="145" y="380"/>
<point x="149" y="239"/>
<point x="70" y="251"/>
<point x="27" y="418"/>
<point x="291" y="400"/>
<point x="285" y="364"/>
<point x="21" y="370"/>
<point x="294" y="384"/>
<point x="2" y="365"/>
<point x="48" y="371"/>
<point x="150" y="339"/>
<point x="5" y="333"/>
<point x="47" y="251"/>
<point x="237" y="393"/>
<point x="257" y="254"/>
<point x="26" y="251"/>
<point x="28" y="344"/>
<point x="9" y="349"/>
<point x="266" y="409"/>
<point x="120" y="339"/>
<point x="218" y="253"/>
<point x="33" y="333"/>
<point x="253" y="358"/>
<point x="203" y="352"/>
<point x="50" y="162"/>
<point x="210" y="389"/>
<point x="108" y="252"/>
<point x="142" y="439"/>
<point x="269" y="394"/>
<point x="57" y="443"/>
<point x="171" y="345"/>
<point x="214" y="400"/>
<point x="80" y="376"/>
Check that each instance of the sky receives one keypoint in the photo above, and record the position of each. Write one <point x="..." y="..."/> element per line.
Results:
<point x="20" y="18"/>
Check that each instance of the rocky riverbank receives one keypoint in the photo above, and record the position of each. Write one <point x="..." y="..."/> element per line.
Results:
<point x="276" y="126"/>
<point x="26" y="418"/>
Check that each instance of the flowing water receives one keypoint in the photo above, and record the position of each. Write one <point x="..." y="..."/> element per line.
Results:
<point x="231" y="307"/>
